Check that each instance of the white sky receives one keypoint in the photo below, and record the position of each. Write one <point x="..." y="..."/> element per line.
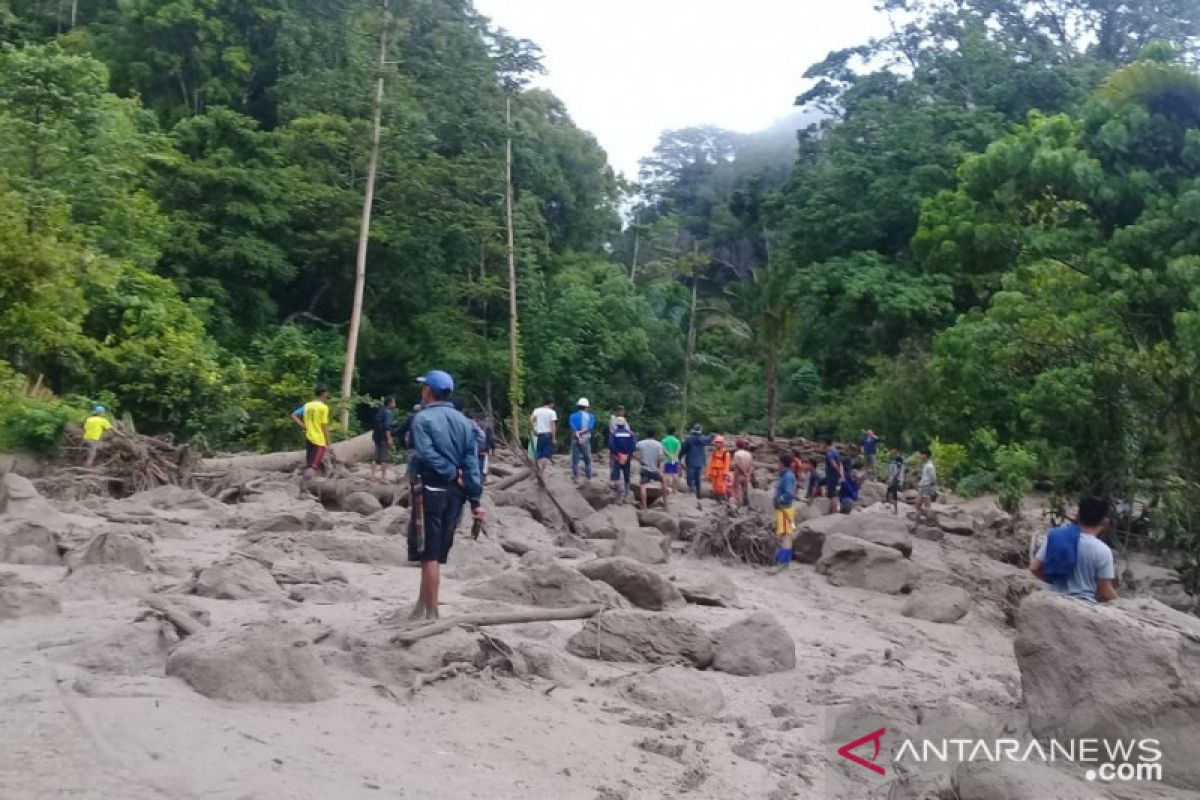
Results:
<point x="629" y="69"/>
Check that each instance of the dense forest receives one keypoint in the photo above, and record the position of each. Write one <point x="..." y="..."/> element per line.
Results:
<point x="983" y="233"/>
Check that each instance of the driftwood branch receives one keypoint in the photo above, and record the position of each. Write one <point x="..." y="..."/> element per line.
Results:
<point x="496" y="618"/>
<point x="184" y="622"/>
<point x="510" y="480"/>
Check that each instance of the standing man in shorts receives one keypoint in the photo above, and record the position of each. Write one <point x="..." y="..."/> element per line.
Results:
<point x="444" y="474"/>
<point x="313" y="417"/>
<point x="743" y="472"/>
<point x="671" y="447"/>
<point x="544" y="421"/>
<point x="833" y="473"/>
<point x="785" y="512"/>
<point x="381" y="435"/>
<point x="895" y="480"/>
<point x="650" y="455"/>
<point x="94" y="428"/>
<point x="870" y="447"/>
<point x="927" y="486"/>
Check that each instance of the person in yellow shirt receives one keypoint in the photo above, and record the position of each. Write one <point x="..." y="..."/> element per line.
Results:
<point x="313" y="417"/>
<point x="94" y="428"/>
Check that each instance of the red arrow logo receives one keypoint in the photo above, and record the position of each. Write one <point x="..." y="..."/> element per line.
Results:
<point x="846" y="751"/>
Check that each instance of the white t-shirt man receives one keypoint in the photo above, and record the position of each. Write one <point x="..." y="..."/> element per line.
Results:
<point x="544" y="418"/>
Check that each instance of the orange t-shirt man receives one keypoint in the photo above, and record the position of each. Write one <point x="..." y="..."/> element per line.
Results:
<point x="718" y="468"/>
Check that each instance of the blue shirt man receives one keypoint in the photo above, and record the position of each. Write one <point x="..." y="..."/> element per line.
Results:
<point x="1092" y="576"/>
<point x="694" y="456"/>
<point x="582" y="423"/>
<point x="444" y="471"/>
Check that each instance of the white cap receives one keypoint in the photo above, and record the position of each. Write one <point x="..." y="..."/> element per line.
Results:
<point x="583" y="402"/>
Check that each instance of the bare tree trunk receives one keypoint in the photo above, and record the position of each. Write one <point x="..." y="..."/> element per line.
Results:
<point x="514" y="366"/>
<point x="772" y="393"/>
<point x="364" y="230"/>
<point x="691" y="342"/>
<point x="633" y="264"/>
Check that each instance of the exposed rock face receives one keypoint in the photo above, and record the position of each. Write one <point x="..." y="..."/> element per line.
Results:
<point x="757" y="645"/>
<point x="642" y="637"/>
<point x="643" y="544"/>
<point x="675" y="690"/>
<point x="549" y="585"/>
<point x="21" y="598"/>
<point x="236" y="579"/>
<point x="1123" y="670"/>
<point x="937" y="603"/>
<point x="363" y="503"/>
<point x="638" y="583"/>
<point x="269" y="661"/>
<point x="24" y="541"/>
<point x="608" y="523"/>
<point x="882" y="529"/>
<point x="849" y="561"/>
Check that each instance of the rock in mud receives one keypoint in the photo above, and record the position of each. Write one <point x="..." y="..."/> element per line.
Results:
<point x="1123" y="670"/>
<point x="598" y="495"/>
<point x="756" y="645"/>
<point x="548" y="585"/>
<point x="937" y="603"/>
<point x="1007" y="780"/>
<point x="570" y="503"/>
<point x="954" y="520"/>
<point x="609" y="522"/>
<point x="675" y="690"/>
<point x="20" y="500"/>
<point x="709" y="590"/>
<point x="277" y="523"/>
<point x="325" y="594"/>
<point x="21" y="598"/>
<point x="314" y="568"/>
<point x="882" y="529"/>
<point x="363" y="503"/>
<point x="637" y="583"/>
<point x="108" y="582"/>
<point x="850" y="561"/>
<point x="116" y="548"/>
<point x="1160" y="583"/>
<point x="375" y="656"/>
<point x="929" y="533"/>
<point x="359" y="548"/>
<point x="646" y="545"/>
<point x="546" y="661"/>
<point x="139" y="648"/>
<point x="171" y="497"/>
<point x="236" y="579"/>
<point x="642" y="637"/>
<point x="667" y="524"/>
<point x="471" y="559"/>
<point x="28" y="542"/>
<point x="391" y="521"/>
<point x="269" y="661"/>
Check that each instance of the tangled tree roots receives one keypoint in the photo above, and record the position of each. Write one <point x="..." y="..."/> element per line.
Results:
<point x="746" y="537"/>
<point x="127" y="463"/>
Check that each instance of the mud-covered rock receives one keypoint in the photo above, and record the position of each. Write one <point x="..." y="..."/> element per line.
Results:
<point x="937" y="602"/>
<point x="22" y="598"/>
<point x="359" y="548"/>
<point x="548" y="585"/>
<point x="674" y="690"/>
<point x="882" y="529"/>
<point x="850" y="561"/>
<point x="708" y="590"/>
<point x="236" y="579"/>
<point x="363" y="503"/>
<point x="471" y="559"/>
<point x="549" y="662"/>
<point x="666" y="523"/>
<point x="642" y="637"/>
<point x="646" y="545"/>
<point x="117" y="548"/>
<point x="25" y="541"/>
<point x="637" y="582"/>
<point x="374" y="655"/>
<point x="756" y="645"/>
<point x="139" y="648"/>
<point x="608" y="523"/>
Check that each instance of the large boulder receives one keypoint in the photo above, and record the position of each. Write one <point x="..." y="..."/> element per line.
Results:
<point x="666" y="523"/>
<point x="363" y="503"/>
<point x="21" y="598"/>
<point x="138" y="648"/>
<point x="871" y="492"/>
<point x="608" y="523"/>
<point x="268" y="661"/>
<point x="674" y="690"/>
<point x="642" y="637"/>
<point x="567" y="499"/>
<point x="883" y="529"/>
<point x="359" y="548"/>
<point x="548" y="585"/>
<point x="472" y="559"/>
<point x="638" y="583"/>
<point x="643" y="544"/>
<point x="937" y="602"/>
<point x="708" y="590"/>
<point x="598" y="495"/>
<point x="954" y="520"/>
<point x="20" y="500"/>
<point x="236" y="579"/>
<point x="26" y="541"/>
<point x="108" y="582"/>
<point x="117" y="548"/>
<point x="850" y="561"/>
<point x="756" y="645"/>
<point x="546" y="661"/>
<point x="1142" y="579"/>
<point x="1119" y="671"/>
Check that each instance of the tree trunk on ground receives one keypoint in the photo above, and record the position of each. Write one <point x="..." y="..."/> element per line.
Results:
<point x="515" y="394"/>
<point x="496" y="618"/>
<point x="360" y="448"/>
<point x="364" y="231"/>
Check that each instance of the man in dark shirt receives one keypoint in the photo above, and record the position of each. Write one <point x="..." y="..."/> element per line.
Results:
<point x="381" y="434"/>
<point x="834" y="471"/>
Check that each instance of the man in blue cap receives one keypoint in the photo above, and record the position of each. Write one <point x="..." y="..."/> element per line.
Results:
<point x="443" y="472"/>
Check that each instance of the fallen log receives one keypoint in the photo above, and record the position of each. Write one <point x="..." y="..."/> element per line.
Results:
<point x="496" y="618"/>
<point x="185" y="623"/>
<point x="509" y="480"/>
<point x="332" y="491"/>
<point x="360" y="448"/>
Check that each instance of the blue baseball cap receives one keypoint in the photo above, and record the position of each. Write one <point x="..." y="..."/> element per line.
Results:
<point x="98" y="409"/>
<point x="437" y="380"/>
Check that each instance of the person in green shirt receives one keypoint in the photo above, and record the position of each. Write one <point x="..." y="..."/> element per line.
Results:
<point x="671" y="446"/>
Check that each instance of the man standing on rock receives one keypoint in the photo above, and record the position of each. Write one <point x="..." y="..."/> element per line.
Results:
<point x="785" y="512"/>
<point x="544" y="421"/>
<point x="743" y="472"/>
<point x="895" y="480"/>
<point x="582" y="422"/>
<point x="833" y="473"/>
<point x="694" y="458"/>
<point x="313" y="418"/>
<point x="94" y="428"/>
<point x="650" y="455"/>
<point x="927" y="485"/>
<point x="381" y="435"/>
<point x="671" y="447"/>
<point x="621" y="446"/>
<point x="1073" y="560"/>
<point x="445" y="472"/>
<point x="870" y="446"/>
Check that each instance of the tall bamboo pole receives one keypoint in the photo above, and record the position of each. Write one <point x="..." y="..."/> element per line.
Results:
<point x="515" y="394"/>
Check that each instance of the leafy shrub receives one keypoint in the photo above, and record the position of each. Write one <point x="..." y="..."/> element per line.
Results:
<point x="977" y="483"/>
<point x="1014" y="469"/>
<point x="1175" y="527"/>
<point x="950" y="460"/>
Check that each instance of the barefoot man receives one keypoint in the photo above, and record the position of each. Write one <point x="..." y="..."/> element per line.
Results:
<point x="444" y="473"/>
